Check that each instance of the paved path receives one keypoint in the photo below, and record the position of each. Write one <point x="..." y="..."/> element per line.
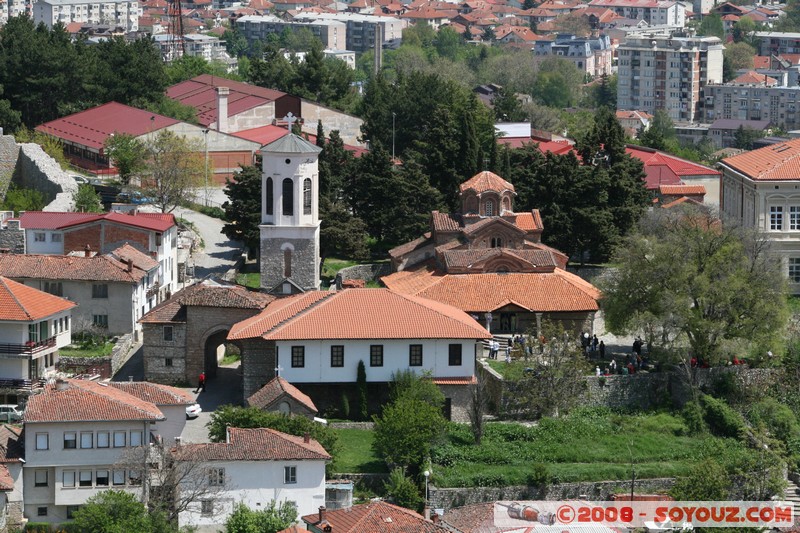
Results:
<point x="224" y="389"/>
<point x="219" y="253"/>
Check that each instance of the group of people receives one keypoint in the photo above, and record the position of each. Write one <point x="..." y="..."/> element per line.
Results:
<point x="494" y="349"/>
<point x="593" y="346"/>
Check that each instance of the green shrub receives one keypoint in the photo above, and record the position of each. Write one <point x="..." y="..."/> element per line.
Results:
<point x="693" y="415"/>
<point x="38" y="527"/>
<point x="777" y="418"/>
<point x="215" y="212"/>
<point x="345" y="406"/>
<point x="402" y="491"/>
<point x="539" y="476"/>
<point x="721" y="419"/>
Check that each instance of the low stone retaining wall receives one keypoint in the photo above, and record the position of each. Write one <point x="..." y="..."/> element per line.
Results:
<point x="123" y="350"/>
<point x="373" y="482"/>
<point x="105" y="366"/>
<point x="367" y="272"/>
<point x="352" y="425"/>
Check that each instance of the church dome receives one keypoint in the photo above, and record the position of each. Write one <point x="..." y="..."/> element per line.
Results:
<point x="486" y="181"/>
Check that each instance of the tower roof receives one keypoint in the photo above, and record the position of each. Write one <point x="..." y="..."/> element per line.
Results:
<point x="486" y="181"/>
<point x="291" y="144"/>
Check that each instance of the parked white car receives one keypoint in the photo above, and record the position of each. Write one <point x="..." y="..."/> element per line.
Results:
<point x="193" y="411"/>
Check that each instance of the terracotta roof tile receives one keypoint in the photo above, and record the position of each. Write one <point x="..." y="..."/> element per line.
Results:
<point x="154" y="393"/>
<point x="681" y="200"/>
<point x="468" y="257"/>
<point x="58" y="220"/>
<point x="258" y="444"/>
<point x="12" y="444"/>
<point x="21" y="303"/>
<point x="529" y="221"/>
<point x="64" y="267"/>
<point x="360" y="314"/>
<point x="539" y="291"/>
<point x="467" y="380"/>
<point x="682" y="189"/>
<point x="680" y="167"/>
<point x="294" y="529"/>
<point x="776" y="162"/>
<point x="446" y="221"/>
<point x="87" y="401"/>
<point x="205" y="294"/>
<point x="471" y="518"/>
<point x="417" y="243"/>
<point x="753" y="78"/>
<point x="376" y="517"/>
<point x="486" y="181"/>
<point x="275" y="389"/>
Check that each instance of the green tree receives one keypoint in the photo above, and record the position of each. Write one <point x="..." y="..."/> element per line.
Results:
<point x="87" y="200"/>
<point x="252" y="417"/>
<point x="707" y="481"/>
<point x="402" y="490"/>
<point x="131" y="73"/>
<point x="243" y="207"/>
<point x="274" y="518"/>
<point x="116" y="511"/>
<point x="722" y="288"/>
<point x="341" y="234"/>
<point x="507" y="107"/>
<point x="408" y="384"/>
<point x="18" y="199"/>
<point x="175" y="166"/>
<point x="661" y="133"/>
<point x="187" y="67"/>
<point x="361" y="385"/>
<point x="736" y="56"/>
<point x="235" y="42"/>
<point x="406" y="431"/>
<point x="711" y="26"/>
<point x="744" y="138"/>
<point x="128" y="155"/>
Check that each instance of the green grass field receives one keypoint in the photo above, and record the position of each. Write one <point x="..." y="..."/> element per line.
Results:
<point x="95" y="351"/>
<point x="356" y="455"/>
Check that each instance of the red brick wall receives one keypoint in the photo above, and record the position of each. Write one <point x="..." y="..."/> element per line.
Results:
<point x="116" y="235"/>
<point x="220" y="162"/>
<point x="77" y="239"/>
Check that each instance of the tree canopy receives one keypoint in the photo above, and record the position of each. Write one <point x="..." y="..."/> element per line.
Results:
<point x="269" y="520"/>
<point x="174" y="166"/>
<point x="116" y="511"/>
<point x="243" y="207"/>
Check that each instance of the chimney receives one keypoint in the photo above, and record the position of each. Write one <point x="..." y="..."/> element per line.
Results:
<point x="222" y="109"/>
<point x="435" y="518"/>
<point x="306" y="437"/>
<point x="129" y="265"/>
<point x="87" y="251"/>
<point x="321" y="513"/>
<point x="62" y="384"/>
<point x="177" y="441"/>
<point x="227" y="433"/>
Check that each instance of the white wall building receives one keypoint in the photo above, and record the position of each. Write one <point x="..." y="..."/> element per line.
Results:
<point x="256" y="467"/>
<point x="123" y="13"/>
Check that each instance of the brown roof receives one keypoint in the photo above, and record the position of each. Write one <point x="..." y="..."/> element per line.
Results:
<point x="21" y="303"/>
<point x="78" y="268"/>
<point x="274" y="390"/>
<point x="776" y="162"/>
<point x="682" y="189"/>
<point x="408" y="247"/>
<point x="294" y="529"/>
<point x="754" y="78"/>
<point x="556" y="291"/>
<point x="155" y="393"/>
<point x="473" y="518"/>
<point x="486" y="181"/>
<point x="12" y="444"/>
<point x="87" y="401"/>
<point x="446" y="221"/>
<point x="469" y="257"/>
<point x="359" y="314"/>
<point x="376" y="517"/>
<point x="205" y="294"/>
<point x="258" y="444"/>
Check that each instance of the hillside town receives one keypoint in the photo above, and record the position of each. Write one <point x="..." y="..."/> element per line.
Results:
<point x="396" y="266"/>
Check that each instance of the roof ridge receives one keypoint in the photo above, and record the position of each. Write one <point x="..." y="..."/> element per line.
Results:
<point x="434" y="308"/>
<point x="110" y="398"/>
<point x="302" y="312"/>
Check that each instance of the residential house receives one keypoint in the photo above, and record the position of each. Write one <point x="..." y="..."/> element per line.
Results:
<point x="78" y="433"/>
<point x="374" y="516"/>
<point x="255" y="467"/>
<point x="664" y="70"/>
<point x="761" y="190"/>
<point x="777" y="43"/>
<point x="663" y="169"/>
<point x="670" y="195"/>
<point x="153" y="234"/>
<point x="591" y="56"/>
<point x="435" y="18"/>
<point x="753" y="96"/>
<point x="331" y="33"/>
<point x="281" y="396"/>
<point x="33" y="326"/>
<point x="316" y="340"/>
<point x="723" y="131"/>
<point x="182" y="336"/>
<point x="84" y="136"/>
<point x="112" y="291"/>
<point x="208" y="47"/>
<point x="123" y="13"/>
<point x="634" y="121"/>
<point x="12" y="458"/>
<point x="489" y="261"/>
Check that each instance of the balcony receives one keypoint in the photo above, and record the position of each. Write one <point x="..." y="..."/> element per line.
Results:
<point x="22" y="384"/>
<point x="26" y="350"/>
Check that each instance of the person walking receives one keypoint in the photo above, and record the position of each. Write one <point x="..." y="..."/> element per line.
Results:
<point x="594" y="343"/>
<point x="602" y="348"/>
<point x="201" y="382"/>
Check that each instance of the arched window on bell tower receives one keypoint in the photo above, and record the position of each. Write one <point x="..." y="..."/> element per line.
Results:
<point x="288" y="197"/>
<point x="307" y="196"/>
<point x="270" y="199"/>
<point x="287" y="263"/>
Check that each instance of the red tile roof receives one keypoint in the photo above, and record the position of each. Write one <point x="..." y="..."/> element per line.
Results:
<point x="26" y="304"/>
<point x="258" y="444"/>
<point x="777" y="162"/>
<point x="199" y="92"/>
<point x="265" y="135"/>
<point x="205" y="294"/>
<point x="375" y="517"/>
<point x="71" y="268"/>
<point x="276" y="389"/>
<point x="529" y="221"/>
<point x="87" y="401"/>
<point x="58" y="220"/>
<point x="761" y="61"/>
<point x="12" y="444"/>
<point x="754" y="78"/>
<point x="557" y="291"/>
<point x="486" y="181"/>
<point x="154" y="393"/>
<point x="468" y="380"/>
<point x="358" y="314"/>
<point x="664" y="169"/>
<point x="6" y="481"/>
<point x="91" y="128"/>
<point x="294" y="529"/>
<point x="682" y="189"/>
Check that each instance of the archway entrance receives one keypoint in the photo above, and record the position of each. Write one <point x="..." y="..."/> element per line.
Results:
<point x="215" y="349"/>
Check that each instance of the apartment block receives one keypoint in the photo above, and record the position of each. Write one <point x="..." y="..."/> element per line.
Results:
<point x="777" y="43"/>
<point x="667" y="71"/>
<point x="753" y="98"/>
<point x="591" y="56"/>
<point x="123" y="13"/>
<point x="654" y="12"/>
<point x="333" y="34"/>
<point x="360" y="28"/>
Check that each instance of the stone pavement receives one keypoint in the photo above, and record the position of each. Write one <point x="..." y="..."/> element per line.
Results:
<point x="224" y="389"/>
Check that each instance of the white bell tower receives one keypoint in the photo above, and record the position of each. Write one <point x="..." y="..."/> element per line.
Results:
<point x="290" y="216"/>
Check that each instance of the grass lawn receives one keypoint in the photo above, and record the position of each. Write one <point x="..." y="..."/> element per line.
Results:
<point x="356" y="455"/>
<point x="249" y="279"/>
<point x="331" y="266"/>
<point x="590" y="445"/>
<point x="95" y="351"/>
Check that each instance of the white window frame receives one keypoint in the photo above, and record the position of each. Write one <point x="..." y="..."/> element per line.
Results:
<point x="85" y="476"/>
<point x="290" y="475"/>
<point x="794" y="217"/>
<point x="87" y="440"/>
<point x="776" y="218"/>
<point x="117" y="436"/>
<point x="103" y="439"/>
<point x="98" y="477"/>
<point x="216" y="477"/>
<point x="135" y="438"/>
<point x="118" y="478"/>
<point x="42" y="441"/>
<point x="70" y="437"/>
<point x="68" y="479"/>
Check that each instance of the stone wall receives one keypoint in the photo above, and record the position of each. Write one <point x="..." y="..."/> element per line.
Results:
<point x="304" y="261"/>
<point x="156" y="352"/>
<point x="258" y="365"/>
<point x="639" y="391"/>
<point x="12" y="238"/>
<point x="37" y="170"/>
<point x="9" y="153"/>
<point x="123" y="350"/>
<point x="100" y="366"/>
<point x="367" y="272"/>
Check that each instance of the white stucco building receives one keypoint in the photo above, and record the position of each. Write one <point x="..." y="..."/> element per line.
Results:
<point x="123" y="13"/>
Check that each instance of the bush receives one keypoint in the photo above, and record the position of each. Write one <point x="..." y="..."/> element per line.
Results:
<point x="540" y="476"/>
<point x="721" y="419"/>
<point x="777" y="418"/>
<point x="38" y="527"/>
<point x="693" y="415"/>
<point x="345" y="406"/>
<point x="707" y="481"/>
<point x="215" y="212"/>
<point x="402" y="491"/>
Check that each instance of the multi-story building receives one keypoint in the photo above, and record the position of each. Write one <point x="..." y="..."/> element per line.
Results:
<point x="208" y="47"/>
<point x="591" y="55"/>
<point x="33" y="326"/>
<point x="333" y="34"/>
<point x="667" y="71"/>
<point x="360" y="35"/>
<point x="753" y="96"/>
<point x="654" y="12"/>
<point x="123" y="13"/>
<point x="777" y="43"/>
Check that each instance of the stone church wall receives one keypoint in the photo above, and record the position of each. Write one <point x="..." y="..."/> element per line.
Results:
<point x="304" y="262"/>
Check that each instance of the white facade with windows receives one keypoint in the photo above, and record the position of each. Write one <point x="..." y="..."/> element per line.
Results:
<point x="122" y="13"/>
<point x="30" y="349"/>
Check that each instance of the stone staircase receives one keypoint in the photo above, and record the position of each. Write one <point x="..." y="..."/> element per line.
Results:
<point x="792" y="494"/>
